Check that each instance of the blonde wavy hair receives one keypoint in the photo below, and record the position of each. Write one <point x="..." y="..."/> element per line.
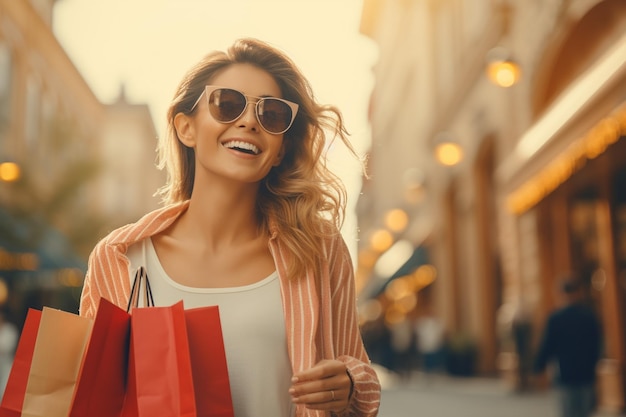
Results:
<point x="301" y="197"/>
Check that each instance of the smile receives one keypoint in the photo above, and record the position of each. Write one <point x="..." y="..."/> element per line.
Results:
<point x="241" y="146"/>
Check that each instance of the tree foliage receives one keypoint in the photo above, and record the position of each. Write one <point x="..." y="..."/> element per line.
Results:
<point x="52" y="192"/>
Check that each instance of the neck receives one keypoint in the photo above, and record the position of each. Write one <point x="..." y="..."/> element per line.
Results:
<point x="223" y="214"/>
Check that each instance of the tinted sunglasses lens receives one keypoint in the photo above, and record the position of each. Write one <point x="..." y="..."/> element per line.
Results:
<point x="274" y="115"/>
<point x="226" y="105"/>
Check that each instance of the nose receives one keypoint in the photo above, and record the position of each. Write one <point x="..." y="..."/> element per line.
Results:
<point x="248" y="117"/>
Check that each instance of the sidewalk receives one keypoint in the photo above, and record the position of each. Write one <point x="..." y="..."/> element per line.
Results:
<point x="446" y="396"/>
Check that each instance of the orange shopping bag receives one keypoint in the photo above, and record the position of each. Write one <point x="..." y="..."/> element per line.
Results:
<point x="61" y="341"/>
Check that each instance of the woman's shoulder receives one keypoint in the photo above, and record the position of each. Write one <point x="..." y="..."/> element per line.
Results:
<point x="333" y="242"/>
<point x="331" y="233"/>
<point x="148" y="225"/>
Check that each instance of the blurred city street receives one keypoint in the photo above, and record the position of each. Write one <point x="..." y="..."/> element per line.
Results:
<point x="445" y="396"/>
<point x="478" y="182"/>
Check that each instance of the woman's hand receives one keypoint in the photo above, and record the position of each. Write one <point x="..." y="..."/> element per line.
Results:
<point x="325" y="386"/>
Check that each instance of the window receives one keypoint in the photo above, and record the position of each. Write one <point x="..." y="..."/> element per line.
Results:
<point x="6" y="76"/>
<point x="32" y="129"/>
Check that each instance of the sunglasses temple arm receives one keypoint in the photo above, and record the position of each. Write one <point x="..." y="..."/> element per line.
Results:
<point x="198" y="100"/>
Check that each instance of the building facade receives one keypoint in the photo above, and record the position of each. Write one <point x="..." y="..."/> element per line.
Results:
<point x="71" y="167"/>
<point x="531" y="185"/>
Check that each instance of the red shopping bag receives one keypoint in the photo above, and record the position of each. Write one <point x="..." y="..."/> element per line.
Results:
<point x="210" y="372"/>
<point x="13" y="398"/>
<point x="160" y="382"/>
<point x="101" y="386"/>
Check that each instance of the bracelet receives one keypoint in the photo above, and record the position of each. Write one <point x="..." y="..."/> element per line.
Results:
<point x="351" y="385"/>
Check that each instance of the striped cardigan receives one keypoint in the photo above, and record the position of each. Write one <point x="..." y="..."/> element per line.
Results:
<point x="320" y="312"/>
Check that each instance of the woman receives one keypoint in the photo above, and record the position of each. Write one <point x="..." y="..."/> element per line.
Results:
<point x="252" y="225"/>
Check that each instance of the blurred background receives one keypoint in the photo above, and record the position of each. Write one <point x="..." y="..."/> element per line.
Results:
<point x="494" y="132"/>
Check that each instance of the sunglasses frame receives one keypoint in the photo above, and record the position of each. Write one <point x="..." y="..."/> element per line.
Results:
<point x="209" y="89"/>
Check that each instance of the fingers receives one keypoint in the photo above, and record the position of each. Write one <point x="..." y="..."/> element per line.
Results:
<point x="326" y="386"/>
<point x="332" y="400"/>
<point x="323" y="369"/>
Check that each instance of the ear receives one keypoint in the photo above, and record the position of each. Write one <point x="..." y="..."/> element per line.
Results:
<point x="184" y="129"/>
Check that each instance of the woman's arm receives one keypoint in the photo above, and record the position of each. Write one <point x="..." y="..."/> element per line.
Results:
<point x="343" y="382"/>
<point x="348" y="344"/>
<point x="107" y="276"/>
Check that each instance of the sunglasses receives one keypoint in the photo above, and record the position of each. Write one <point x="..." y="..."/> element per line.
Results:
<point x="226" y="105"/>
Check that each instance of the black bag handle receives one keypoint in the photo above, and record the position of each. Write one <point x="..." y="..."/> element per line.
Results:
<point x="133" y="300"/>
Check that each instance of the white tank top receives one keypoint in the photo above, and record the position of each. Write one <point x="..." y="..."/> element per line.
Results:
<point x="253" y="326"/>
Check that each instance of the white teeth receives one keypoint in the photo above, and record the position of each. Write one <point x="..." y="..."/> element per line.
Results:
<point x="237" y="144"/>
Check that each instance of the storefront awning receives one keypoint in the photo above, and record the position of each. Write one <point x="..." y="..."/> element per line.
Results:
<point x="529" y="179"/>
<point x="378" y="285"/>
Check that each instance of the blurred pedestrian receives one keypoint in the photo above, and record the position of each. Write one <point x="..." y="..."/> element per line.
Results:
<point x="377" y="340"/>
<point x="252" y="225"/>
<point x="521" y="328"/>
<point x="572" y="339"/>
<point x="430" y="338"/>
<point x="402" y="344"/>
<point x="8" y="341"/>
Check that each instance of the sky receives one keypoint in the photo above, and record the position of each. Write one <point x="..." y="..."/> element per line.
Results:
<point x="147" y="45"/>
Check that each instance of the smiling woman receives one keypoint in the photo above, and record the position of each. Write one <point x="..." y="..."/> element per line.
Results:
<point x="252" y="224"/>
<point x="151" y="41"/>
<point x="208" y="119"/>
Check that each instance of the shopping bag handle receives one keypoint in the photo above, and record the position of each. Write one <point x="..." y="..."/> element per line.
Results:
<point x="133" y="300"/>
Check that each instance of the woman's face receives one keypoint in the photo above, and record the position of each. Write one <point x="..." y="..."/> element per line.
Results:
<point x="240" y="150"/>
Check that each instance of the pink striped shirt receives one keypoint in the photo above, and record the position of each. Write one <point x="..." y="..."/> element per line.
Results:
<point x="320" y="312"/>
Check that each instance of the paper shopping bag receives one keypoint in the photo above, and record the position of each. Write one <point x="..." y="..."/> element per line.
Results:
<point x="160" y="382"/>
<point x="13" y="398"/>
<point x="101" y="386"/>
<point x="57" y="358"/>
<point x="208" y="357"/>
